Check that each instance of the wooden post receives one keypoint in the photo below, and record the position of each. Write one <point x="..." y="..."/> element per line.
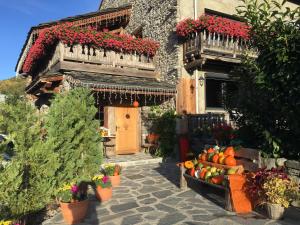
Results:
<point x="183" y="183"/>
<point x="228" y="205"/>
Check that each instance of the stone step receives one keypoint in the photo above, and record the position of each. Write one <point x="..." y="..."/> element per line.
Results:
<point x="140" y="162"/>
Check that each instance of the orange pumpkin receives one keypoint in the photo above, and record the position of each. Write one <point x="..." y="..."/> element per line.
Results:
<point x="229" y="151"/>
<point x="210" y="150"/>
<point x="215" y="158"/>
<point x="217" y="179"/>
<point x="204" y="157"/>
<point x="230" y="161"/>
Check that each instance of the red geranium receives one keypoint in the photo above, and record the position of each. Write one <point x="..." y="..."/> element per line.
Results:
<point x="213" y="24"/>
<point x="70" y="35"/>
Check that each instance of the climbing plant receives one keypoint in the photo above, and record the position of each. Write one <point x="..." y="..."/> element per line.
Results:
<point x="268" y="102"/>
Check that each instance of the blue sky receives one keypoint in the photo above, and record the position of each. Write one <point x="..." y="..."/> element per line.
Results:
<point x="17" y="16"/>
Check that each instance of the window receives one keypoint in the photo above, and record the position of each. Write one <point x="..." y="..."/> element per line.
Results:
<point x="100" y="115"/>
<point x="215" y="92"/>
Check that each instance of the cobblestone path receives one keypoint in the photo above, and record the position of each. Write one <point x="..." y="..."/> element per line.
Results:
<point x="149" y="195"/>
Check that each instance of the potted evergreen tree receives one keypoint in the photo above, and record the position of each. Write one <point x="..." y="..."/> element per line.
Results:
<point x="103" y="187"/>
<point x="113" y="171"/>
<point x="73" y="203"/>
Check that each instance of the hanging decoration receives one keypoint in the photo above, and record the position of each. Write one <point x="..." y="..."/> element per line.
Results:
<point x="130" y="93"/>
<point x="135" y="104"/>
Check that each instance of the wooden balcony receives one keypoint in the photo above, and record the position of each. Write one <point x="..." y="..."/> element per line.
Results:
<point x="88" y="59"/>
<point x="212" y="46"/>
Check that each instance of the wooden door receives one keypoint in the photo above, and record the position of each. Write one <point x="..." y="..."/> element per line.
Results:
<point x="127" y="130"/>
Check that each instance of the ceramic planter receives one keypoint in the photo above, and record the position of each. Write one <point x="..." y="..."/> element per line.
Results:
<point x="74" y="212"/>
<point x="275" y="211"/>
<point x="103" y="194"/>
<point x="115" y="180"/>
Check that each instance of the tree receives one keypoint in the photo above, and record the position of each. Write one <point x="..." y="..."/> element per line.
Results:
<point x="13" y="88"/>
<point x="27" y="182"/>
<point x="268" y="102"/>
<point x="72" y="133"/>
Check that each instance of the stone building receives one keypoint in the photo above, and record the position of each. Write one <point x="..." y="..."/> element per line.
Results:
<point x="114" y="52"/>
<point x="199" y="84"/>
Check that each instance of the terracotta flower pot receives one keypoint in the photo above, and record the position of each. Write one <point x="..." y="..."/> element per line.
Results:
<point x="115" y="180"/>
<point x="74" y="212"/>
<point x="275" y="211"/>
<point x="152" y="138"/>
<point x="103" y="194"/>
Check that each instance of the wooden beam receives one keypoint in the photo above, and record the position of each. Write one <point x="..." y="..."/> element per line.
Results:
<point x="82" y="67"/>
<point x="52" y="78"/>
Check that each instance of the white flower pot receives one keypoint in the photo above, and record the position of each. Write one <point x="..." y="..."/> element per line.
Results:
<point x="275" y="211"/>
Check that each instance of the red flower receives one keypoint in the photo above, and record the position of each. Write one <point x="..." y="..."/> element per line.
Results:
<point x="69" y="34"/>
<point x="213" y="24"/>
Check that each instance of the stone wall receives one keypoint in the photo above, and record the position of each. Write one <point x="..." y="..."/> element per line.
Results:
<point x="158" y="19"/>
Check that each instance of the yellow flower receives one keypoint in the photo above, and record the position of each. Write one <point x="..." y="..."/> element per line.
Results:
<point x="109" y="165"/>
<point x="189" y="164"/>
<point x="67" y="187"/>
<point x="8" y="222"/>
<point x="98" y="177"/>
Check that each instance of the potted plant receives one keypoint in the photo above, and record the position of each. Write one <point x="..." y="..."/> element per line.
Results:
<point x="272" y="188"/>
<point x="103" y="187"/>
<point x="279" y="193"/>
<point x="73" y="203"/>
<point x="152" y="138"/>
<point x="113" y="171"/>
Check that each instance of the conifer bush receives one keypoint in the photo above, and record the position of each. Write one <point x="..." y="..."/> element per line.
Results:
<point x="27" y="182"/>
<point x="72" y="134"/>
<point x="66" y="149"/>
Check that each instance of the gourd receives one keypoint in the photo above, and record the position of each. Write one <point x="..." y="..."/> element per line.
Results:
<point x="230" y="161"/>
<point x="229" y="151"/>
<point x="217" y="179"/>
<point x="215" y="158"/>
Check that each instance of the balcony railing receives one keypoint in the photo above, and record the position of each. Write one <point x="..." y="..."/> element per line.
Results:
<point x="84" y="58"/>
<point x="216" y="47"/>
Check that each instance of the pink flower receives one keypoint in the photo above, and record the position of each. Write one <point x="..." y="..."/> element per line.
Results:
<point x="74" y="189"/>
<point x="105" y="179"/>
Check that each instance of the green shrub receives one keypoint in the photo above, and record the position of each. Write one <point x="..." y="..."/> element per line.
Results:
<point x="268" y="102"/>
<point x="27" y="182"/>
<point x="72" y="134"/>
<point x="164" y="124"/>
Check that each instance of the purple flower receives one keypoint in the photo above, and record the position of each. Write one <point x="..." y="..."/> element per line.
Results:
<point x="105" y="179"/>
<point x="74" y="189"/>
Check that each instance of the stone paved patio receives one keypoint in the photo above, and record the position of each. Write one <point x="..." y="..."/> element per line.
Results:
<point x="149" y="195"/>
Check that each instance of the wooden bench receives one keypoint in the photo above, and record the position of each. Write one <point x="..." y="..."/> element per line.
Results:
<point x="249" y="159"/>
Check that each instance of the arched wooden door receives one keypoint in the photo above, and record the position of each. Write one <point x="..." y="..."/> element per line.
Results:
<point x="127" y="130"/>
